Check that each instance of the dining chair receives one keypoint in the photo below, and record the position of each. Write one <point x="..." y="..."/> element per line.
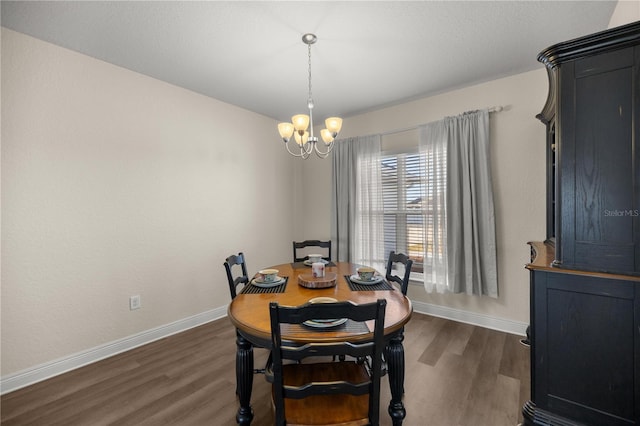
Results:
<point x="399" y="258"/>
<point x="236" y="268"/>
<point x="326" y="393"/>
<point x="299" y="245"/>
<point x="402" y="282"/>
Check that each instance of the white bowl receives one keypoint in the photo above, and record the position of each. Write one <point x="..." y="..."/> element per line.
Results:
<point x="269" y="275"/>
<point x="365" y="273"/>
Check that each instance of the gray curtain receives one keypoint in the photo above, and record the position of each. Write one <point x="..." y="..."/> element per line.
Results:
<point x="470" y="229"/>
<point x="346" y="154"/>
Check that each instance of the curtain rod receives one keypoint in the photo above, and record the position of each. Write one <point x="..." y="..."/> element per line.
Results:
<point x="406" y="129"/>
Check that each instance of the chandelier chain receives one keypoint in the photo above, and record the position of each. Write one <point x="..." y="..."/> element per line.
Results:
<point x="309" y="50"/>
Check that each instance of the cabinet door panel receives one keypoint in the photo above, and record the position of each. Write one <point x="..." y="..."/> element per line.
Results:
<point x="604" y="175"/>
<point x="588" y="347"/>
<point x="598" y="167"/>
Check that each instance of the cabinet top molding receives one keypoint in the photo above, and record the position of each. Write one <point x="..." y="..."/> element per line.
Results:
<point x="619" y="37"/>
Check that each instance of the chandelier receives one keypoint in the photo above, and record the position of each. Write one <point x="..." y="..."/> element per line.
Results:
<point x="305" y="140"/>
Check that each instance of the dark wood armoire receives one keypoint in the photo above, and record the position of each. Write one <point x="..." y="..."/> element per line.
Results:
<point x="585" y="276"/>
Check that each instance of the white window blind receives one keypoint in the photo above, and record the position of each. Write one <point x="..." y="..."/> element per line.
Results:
<point x="403" y="188"/>
<point x="412" y="189"/>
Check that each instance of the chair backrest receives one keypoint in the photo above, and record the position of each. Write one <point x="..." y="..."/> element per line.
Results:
<point x="236" y="279"/>
<point x="403" y="282"/>
<point x="371" y="350"/>
<point x="297" y="245"/>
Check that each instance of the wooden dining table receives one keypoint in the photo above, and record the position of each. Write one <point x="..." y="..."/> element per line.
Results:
<point x="249" y="313"/>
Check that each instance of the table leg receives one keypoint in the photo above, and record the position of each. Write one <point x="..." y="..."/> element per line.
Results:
<point x="244" y="379"/>
<point x="394" y="353"/>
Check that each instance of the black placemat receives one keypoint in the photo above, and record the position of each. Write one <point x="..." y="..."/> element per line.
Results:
<point x="351" y="327"/>
<point x="382" y="285"/>
<point x="254" y="289"/>
<point x="301" y="265"/>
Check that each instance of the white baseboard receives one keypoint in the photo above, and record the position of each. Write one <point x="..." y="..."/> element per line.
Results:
<point x="500" y="324"/>
<point x="47" y="370"/>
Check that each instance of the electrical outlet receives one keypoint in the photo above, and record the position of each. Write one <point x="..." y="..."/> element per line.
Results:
<point x="134" y="302"/>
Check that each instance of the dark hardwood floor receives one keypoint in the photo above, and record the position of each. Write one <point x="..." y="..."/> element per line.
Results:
<point x="456" y="374"/>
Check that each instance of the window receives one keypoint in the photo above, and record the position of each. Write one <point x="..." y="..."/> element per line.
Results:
<point x="412" y="189"/>
<point x="403" y="189"/>
<point x="407" y="201"/>
<point x="400" y="199"/>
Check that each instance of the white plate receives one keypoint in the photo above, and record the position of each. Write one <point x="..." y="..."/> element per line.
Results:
<point x="309" y="263"/>
<point x="375" y="280"/>
<point x="323" y="299"/>
<point x="258" y="282"/>
<point x="323" y="324"/>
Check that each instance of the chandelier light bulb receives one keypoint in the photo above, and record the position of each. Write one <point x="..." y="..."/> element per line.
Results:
<point x="326" y="135"/>
<point x="334" y="125"/>
<point x="300" y="122"/>
<point x="286" y="130"/>
<point x="302" y="140"/>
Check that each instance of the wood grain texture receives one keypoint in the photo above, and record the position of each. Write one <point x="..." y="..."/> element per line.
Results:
<point x="309" y="281"/>
<point x="456" y="375"/>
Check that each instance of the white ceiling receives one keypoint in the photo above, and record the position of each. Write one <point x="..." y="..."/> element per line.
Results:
<point x="369" y="53"/>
